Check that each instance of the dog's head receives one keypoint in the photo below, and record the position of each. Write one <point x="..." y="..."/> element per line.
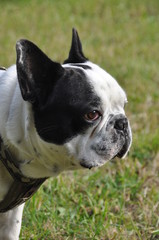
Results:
<point x="77" y="104"/>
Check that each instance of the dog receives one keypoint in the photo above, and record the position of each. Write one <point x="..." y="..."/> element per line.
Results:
<point x="54" y="117"/>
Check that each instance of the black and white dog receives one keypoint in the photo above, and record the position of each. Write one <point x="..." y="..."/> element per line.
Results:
<point x="54" y="118"/>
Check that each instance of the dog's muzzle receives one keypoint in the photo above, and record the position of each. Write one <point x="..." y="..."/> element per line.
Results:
<point x="117" y="137"/>
<point x="121" y="125"/>
<point x="113" y="140"/>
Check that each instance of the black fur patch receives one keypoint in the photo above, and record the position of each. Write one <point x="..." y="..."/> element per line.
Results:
<point x="61" y="116"/>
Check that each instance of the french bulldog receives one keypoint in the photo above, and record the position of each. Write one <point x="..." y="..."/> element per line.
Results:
<point x="55" y="117"/>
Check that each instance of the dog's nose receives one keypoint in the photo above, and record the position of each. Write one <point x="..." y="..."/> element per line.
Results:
<point x="121" y="124"/>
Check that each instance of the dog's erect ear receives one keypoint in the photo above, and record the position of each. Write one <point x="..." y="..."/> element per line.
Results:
<point x="76" y="54"/>
<point x="35" y="71"/>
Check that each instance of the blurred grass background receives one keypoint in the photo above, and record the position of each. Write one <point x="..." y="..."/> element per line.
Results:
<point x="121" y="199"/>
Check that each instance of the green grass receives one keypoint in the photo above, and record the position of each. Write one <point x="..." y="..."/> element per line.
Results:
<point x="120" y="200"/>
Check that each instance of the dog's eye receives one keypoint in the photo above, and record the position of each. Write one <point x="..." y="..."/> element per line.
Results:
<point x="92" y="116"/>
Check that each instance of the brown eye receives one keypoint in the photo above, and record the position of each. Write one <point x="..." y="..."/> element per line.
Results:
<point x="92" y="116"/>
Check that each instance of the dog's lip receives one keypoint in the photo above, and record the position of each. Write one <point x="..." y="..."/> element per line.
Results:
<point x="122" y="152"/>
<point x="84" y="164"/>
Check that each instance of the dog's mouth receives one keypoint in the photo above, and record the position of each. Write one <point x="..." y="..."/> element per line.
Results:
<point x="122" y="152"/>
<point x="84" y="164"/>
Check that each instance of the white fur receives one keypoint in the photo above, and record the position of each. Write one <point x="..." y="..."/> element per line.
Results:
<point x="46" y="160"/>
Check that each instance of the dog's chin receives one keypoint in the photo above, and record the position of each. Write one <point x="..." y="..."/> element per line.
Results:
<point x="101" y="161"/>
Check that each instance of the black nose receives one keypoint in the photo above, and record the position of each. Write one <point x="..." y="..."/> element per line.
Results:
<point x="121" y="124"/>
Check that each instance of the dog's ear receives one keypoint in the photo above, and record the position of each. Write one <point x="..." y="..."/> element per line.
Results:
<point x="76" y="54"/>
<point x="35" y="71"/>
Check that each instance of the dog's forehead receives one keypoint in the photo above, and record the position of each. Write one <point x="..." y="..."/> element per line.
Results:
<point x="112" y="97"/>
<point x="106" y="87"/>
